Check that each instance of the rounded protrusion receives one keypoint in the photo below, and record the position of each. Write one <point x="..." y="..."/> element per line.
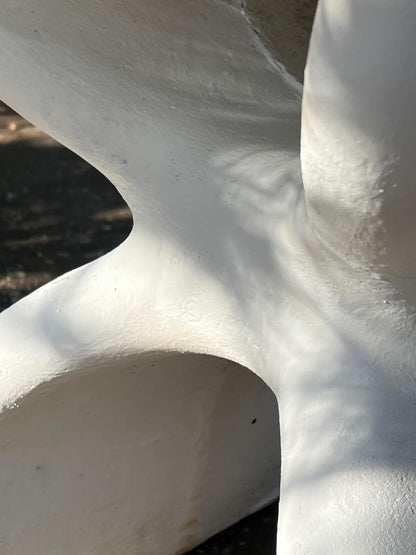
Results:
<point x="358" y="132"/>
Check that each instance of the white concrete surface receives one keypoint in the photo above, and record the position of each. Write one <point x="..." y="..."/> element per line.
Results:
<point x="308" y="283"/>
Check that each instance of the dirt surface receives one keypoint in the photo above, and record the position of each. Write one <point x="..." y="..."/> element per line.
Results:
<point x="57" y="213"/>
<point x="254" y="535"/>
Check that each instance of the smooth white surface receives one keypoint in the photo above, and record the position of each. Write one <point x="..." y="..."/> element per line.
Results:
<point x="148" y="455"/>
<point x="225" y="257"/>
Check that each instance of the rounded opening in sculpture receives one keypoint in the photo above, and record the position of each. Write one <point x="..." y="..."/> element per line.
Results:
<point x="141" y="453"/>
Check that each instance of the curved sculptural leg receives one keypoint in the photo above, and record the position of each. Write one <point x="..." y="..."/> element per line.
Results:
<point x="120" y="444"/>
<point x="118" y="451"/>
<point x="149" y="455"/>
<point x="349" y="413"/>
<point x="108" y="446"/>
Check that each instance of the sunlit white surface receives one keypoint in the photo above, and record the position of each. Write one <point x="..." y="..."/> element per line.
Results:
<point x="198" y="126"/>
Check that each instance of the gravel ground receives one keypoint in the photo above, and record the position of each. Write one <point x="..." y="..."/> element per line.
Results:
<point x="57" y="213"/>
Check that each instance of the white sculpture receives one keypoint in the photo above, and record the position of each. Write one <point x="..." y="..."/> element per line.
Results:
<point x="311" y="289"/>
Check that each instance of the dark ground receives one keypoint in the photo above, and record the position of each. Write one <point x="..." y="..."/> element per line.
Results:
<point x="57" y="213"/>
